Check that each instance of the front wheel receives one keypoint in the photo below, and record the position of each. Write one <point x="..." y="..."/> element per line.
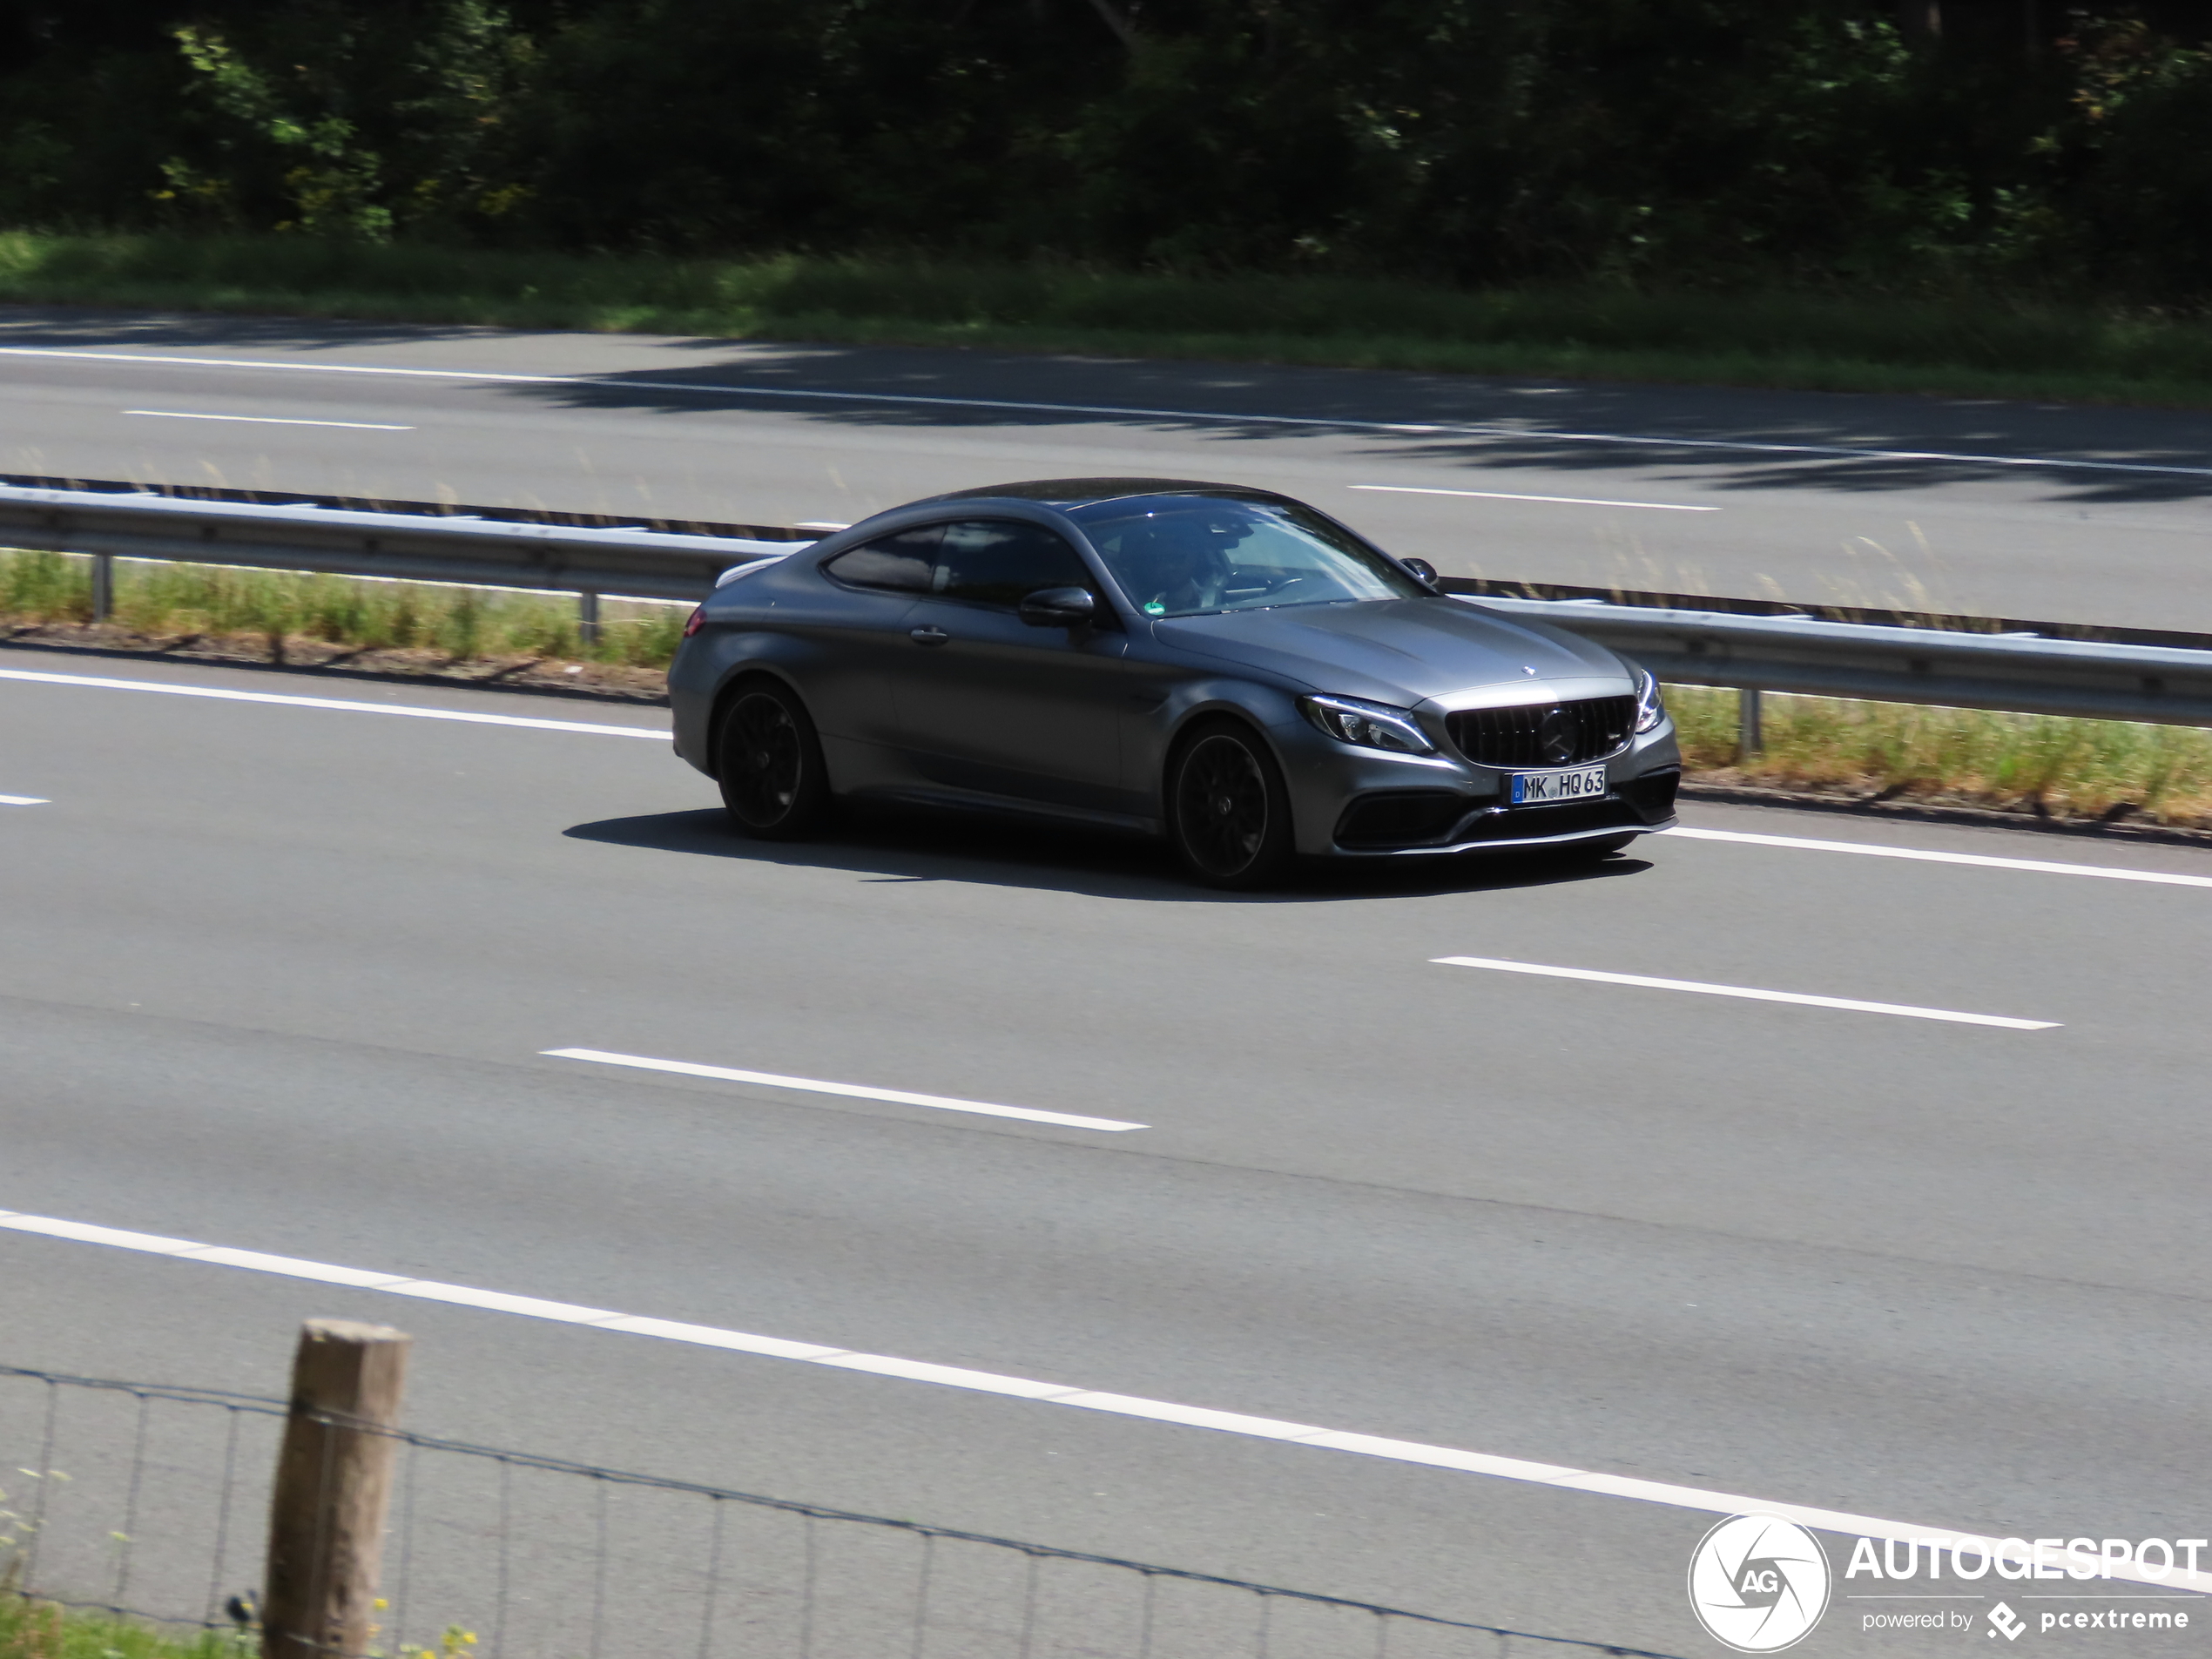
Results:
<point x="1228" y="813"/>
<point x="769" y="763"/>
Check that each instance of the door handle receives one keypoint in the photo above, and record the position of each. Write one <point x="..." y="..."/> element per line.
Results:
<point x="929" y="636"/>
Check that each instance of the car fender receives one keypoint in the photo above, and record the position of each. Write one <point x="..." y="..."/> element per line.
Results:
<point x="734" y="656"/>
<point x="1153" y="737"/>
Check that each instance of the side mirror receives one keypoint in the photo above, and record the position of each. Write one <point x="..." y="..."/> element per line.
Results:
<point x="1059" y="608"/>
<point x="1424" y="569"/>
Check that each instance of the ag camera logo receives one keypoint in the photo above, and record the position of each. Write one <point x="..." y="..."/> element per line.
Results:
<point x="1758" y="1583"/>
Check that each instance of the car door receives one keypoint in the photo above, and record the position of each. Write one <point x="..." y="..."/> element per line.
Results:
<point x="858" y="630"/>
<point x="986" y="704"/>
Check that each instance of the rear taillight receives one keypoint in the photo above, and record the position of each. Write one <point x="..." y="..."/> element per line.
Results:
<point x="697" y="620"/>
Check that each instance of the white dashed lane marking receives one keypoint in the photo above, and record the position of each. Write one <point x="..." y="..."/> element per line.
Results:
<point x="271" y="419"/>
<point x="1562" y="501"/>
<point x="1849" y="1004"/>
<point x="856" y="1091"/>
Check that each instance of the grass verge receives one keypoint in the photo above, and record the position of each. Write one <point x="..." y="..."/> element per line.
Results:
<point x="1970" y="347"/>
<point x="280" y="608"/>
<point x="39" y="1630"/>
<point x="2064" y="768"/>
<point x="33" y="1630"/>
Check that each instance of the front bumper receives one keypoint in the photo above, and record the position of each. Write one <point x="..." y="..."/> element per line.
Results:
<point x="1351" y="802"/>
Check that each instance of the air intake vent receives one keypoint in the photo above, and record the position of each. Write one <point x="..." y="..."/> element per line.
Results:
<point x="1544" y="734"/>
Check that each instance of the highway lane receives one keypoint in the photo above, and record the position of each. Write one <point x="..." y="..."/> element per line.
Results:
<point x="280" y="977"/>
<point x="2039" y="512"/>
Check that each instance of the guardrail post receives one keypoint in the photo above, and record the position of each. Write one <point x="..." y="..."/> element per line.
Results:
<point x="333" y="1483"/>
<point x="102" y="586"/>
<point x="587" y="620"/>
<point x="1749" y="739"/>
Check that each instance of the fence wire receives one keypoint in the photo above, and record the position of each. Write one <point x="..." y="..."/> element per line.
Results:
<point x="151" y="1502"/>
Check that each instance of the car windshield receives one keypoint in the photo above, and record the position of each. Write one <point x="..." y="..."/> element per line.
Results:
<point x="1177" y="556"/>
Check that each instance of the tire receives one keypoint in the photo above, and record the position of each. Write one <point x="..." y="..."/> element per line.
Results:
<point x="1228" y="813"/>
<point x="769" y="763"/>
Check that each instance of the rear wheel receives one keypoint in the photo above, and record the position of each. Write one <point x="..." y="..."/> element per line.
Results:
<point x="769" y="763"/>
<point x="1228" y="813"/>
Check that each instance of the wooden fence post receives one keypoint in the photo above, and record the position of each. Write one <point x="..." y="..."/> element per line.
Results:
<point x="334" y="1482"/>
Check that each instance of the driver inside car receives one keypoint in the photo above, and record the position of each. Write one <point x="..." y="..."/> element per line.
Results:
<point x="1173" y="565"/>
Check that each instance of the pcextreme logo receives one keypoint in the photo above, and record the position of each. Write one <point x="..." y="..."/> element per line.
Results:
<point x="1758" y="1583"/>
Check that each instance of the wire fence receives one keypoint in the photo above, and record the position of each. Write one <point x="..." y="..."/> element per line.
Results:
<point x="151" y="1502"/>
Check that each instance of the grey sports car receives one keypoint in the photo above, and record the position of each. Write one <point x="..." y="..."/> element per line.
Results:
<point x="1224" y="666"/>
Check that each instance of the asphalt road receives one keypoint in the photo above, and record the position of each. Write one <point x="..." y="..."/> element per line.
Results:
<point x="2042" y="513"/>
<point x="281" y="977"/>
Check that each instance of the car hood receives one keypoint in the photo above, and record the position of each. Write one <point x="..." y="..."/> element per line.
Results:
<point x="1390" y="650"/>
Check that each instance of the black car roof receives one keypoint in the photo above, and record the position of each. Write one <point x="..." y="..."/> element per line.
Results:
<point x="1083" y="492"/>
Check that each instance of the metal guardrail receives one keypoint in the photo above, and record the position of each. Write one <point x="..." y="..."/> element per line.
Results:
<point x="2094" y="633"/>
<point x="2028" y="675"/>
<point x="428" y="544"/>
<point x="2140" y="677"/>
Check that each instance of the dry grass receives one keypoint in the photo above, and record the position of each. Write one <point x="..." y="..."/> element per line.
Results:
<point x="462" y="624"/>
<point x="2071" y="768"/>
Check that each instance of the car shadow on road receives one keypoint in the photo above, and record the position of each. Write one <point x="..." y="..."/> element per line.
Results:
<point x="887" y="844"/>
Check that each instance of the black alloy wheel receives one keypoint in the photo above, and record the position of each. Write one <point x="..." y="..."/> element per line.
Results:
<point x="1228" y="813"/>
<point x="769" y="763"/>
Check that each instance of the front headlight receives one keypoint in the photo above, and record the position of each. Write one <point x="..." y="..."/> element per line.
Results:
<point x="1649" y="710"/>
<point x="1370" y="725"/>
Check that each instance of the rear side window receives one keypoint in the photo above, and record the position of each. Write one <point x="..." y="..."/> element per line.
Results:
<point x="1001" y="562"/>
<point x="898" y="563"/>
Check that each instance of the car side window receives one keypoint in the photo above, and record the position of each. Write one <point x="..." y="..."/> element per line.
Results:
<point x="1002" y="561"/>
<point x="899" y="564"/>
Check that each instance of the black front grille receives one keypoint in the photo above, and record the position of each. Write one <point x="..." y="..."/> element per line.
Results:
<point x="1543" y="734"/>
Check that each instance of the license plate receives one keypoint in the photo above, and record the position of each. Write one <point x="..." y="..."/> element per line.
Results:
<point x="1540" y="788"/>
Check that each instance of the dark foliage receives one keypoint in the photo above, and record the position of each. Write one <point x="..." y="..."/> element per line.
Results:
<point x="1859" y="143"/>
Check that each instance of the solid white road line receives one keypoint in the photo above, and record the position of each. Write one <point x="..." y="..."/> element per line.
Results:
<point x="223" y="695"/>
<point x="2041" y="867"/>
<point x="987" y="1382"/>
<point x="272" y="420"/>
<point x="1471" y="428"/>
<point x="1846" y="1002"/>
<point x="858" y="1091"/>
<point x="1564" y="501"/>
